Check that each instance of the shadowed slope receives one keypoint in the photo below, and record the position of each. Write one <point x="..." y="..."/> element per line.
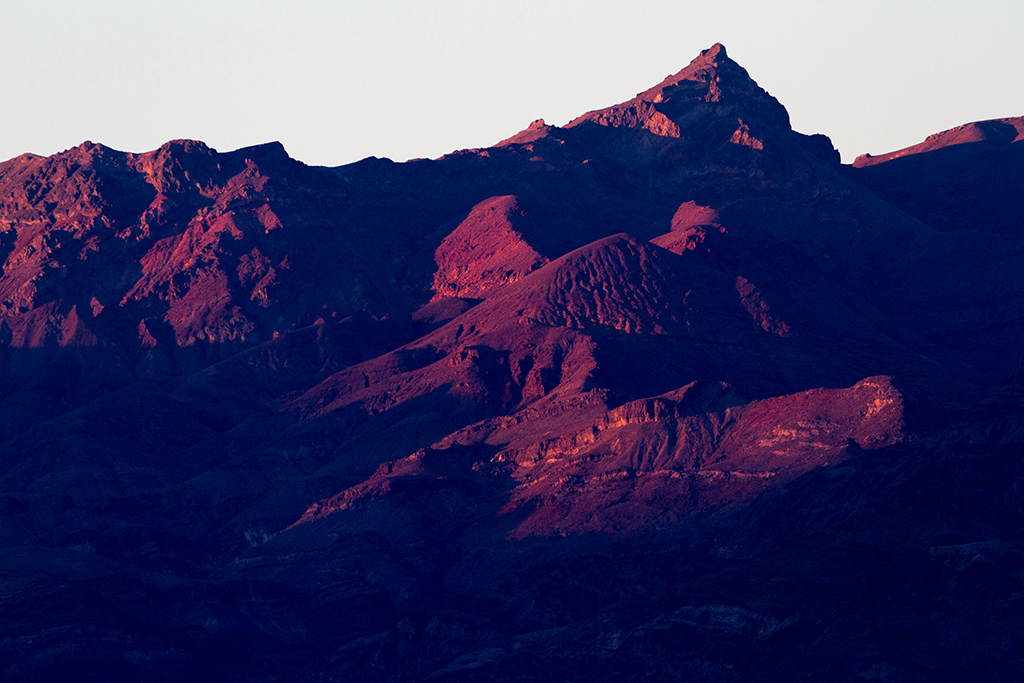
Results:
<point x="961" y="287"/>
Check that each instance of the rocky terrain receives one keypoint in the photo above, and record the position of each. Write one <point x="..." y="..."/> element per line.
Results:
<point x="666" y="393"/>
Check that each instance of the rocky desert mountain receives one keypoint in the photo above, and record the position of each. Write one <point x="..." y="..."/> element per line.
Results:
<point x="666" y="393"/>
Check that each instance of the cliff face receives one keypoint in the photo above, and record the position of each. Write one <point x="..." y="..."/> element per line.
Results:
<point x="663" y="393"/>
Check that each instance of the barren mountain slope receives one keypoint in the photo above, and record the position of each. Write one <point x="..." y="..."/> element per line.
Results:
<point x="665" y="393"/>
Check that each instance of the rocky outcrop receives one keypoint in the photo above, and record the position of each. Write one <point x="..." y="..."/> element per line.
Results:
<point x="484" y="253"/>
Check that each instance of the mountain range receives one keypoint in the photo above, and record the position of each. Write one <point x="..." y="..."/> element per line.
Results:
<point x="666" y="393"/>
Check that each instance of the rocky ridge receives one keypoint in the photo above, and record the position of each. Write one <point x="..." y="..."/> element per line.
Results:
<point x="665" y="392"/>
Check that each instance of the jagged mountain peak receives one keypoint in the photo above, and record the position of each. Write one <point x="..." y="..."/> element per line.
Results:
<point x="708" y="66"/>
<point x="711" y="92"/>
<point x="712" y="65"/>
<point x="716" y="50"/>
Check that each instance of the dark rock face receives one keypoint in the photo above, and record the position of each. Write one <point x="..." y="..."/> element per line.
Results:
<point x="663" y="394"/>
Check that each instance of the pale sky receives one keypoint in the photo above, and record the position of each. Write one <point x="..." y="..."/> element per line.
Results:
<point x="339" y="81"/>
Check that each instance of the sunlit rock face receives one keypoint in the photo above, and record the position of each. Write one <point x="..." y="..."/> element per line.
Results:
<point x="666" y="393"/>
